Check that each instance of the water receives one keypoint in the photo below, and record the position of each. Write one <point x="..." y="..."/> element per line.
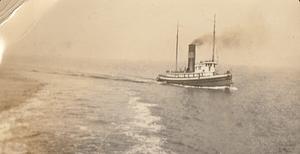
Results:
<point x="119" y="108"/>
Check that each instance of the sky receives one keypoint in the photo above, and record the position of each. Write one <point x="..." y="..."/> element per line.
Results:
<point x="249" y="32"/>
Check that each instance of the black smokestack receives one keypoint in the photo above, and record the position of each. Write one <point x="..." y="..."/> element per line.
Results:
<point x="191" y="58"/>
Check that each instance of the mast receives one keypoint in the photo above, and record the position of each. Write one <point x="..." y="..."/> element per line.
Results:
<point x="177" y="47"/>
<point x="214" y="40"/>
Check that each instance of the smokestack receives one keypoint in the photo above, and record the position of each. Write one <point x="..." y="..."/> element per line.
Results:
<point x="192" y="58"/>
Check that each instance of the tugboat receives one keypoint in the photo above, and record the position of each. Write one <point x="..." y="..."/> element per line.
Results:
<point x="202" y="74"/>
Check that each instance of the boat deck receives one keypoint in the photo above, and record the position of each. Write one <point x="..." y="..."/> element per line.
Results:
<point x="192" y="75"/>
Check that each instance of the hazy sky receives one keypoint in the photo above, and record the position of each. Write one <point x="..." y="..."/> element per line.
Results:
<point x="251" y="32"/>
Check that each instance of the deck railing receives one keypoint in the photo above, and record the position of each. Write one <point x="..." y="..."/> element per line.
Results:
<point x="189" y="75"/>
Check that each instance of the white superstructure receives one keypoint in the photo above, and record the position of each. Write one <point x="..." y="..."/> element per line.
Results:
<point x="206" y="68"/>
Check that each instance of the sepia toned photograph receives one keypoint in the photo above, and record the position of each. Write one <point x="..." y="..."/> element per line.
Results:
<point x="149" y="77"/>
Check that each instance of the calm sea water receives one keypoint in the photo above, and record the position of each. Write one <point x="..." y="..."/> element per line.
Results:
<point x="119" y="108"/>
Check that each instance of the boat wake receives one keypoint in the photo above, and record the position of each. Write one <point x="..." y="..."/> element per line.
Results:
<point x="144" y="128"/>
<point x="127" y="78"/>
<point x="133" y="79"/>
<point x="231" y="88"/>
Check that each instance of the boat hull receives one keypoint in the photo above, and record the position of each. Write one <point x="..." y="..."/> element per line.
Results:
<point x="212" y="81"/>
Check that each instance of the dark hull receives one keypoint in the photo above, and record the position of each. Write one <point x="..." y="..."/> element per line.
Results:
<point x="202" y="82"/>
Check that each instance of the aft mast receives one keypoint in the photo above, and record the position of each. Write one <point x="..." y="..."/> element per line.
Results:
<point x="214" y="40"/>
<point x="176" y="69"/>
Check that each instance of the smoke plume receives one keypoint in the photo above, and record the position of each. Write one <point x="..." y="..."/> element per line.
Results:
<point x="236" y="37"/>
